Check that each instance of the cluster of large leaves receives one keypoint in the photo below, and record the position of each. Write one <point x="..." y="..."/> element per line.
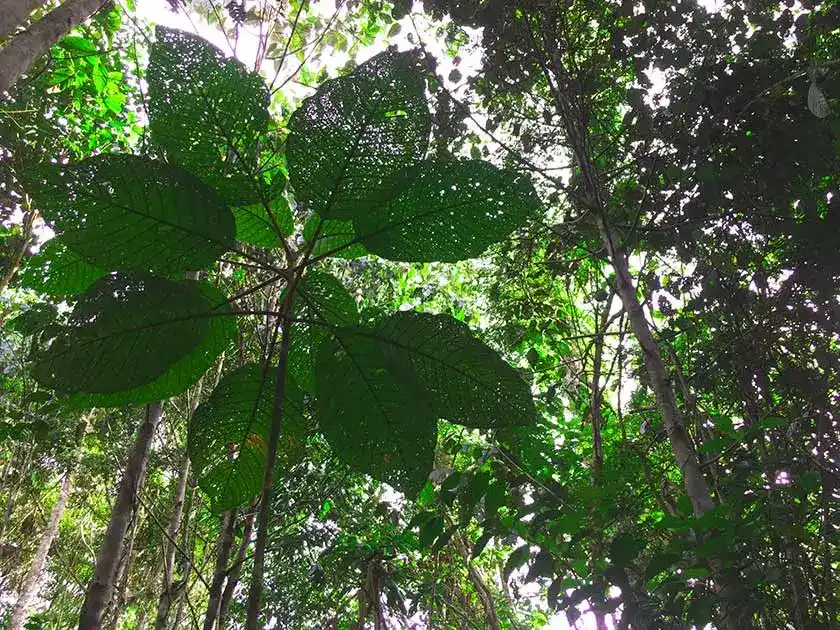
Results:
<point x="131" y="228"/>
<point x="357" y="158"/>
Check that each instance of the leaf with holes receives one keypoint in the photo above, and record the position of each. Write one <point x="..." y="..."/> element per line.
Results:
<point x="373" y="417"/>
<point x="333" y="237"/>
<point x="133" y="337"/>
<point x="254" y="224"/>
<point x="208" y="113"/>
<point x="465" y="381"/>
<point x="130" y="213"/>
<point x="227" y="438"/>
<point x="58" y="271"/>
<point x="446" y="211"/>
<point x="355" y="132"/>
<point x="321" y="302"/>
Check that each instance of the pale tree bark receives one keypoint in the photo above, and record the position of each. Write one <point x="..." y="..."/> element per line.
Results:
<point x="23" y="49"/>
<point x="14" y="13"/>
<point x="101" y="587"/>
<point x="36" y="571"/>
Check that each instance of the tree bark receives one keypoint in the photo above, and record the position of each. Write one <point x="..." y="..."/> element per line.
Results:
<point x="591" y="196"/>
<point x="222" y="559"/>
<point x="33" y="576"/>
<point x="21" y="246"/>
<point x="255" y="589"/>
<point x="491" y="616"/>
<point x="14" y="13"/>
<point x="235" y="571"/>
<point x="20" y="53"/>
<point x="107" y="563"/>
<point x="166" y="594"/>
<point x="10" y="503"/>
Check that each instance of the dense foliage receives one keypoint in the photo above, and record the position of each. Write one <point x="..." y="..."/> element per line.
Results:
<point x="547" y="340"/>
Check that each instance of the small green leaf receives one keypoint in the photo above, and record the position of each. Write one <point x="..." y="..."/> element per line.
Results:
<point x="430" y="530"/>
<point x="322" y="302"/>
<point x="78" y="44"/>
<point x="255" y="226"/>
<point x="335" y="238"/>
<point x="58" y="271"/>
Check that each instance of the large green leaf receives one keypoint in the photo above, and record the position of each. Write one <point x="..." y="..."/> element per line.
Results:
<point x="228" y="434"/>
<point x="58" y="271"/>
<point x="321" y="303"/>
<point x="256" y="226"/>
<point x="333" y="237"/>
<point x="355" y="132"/>
<point x="446" y="211"/>
<point x="130" y="331"/>
<point x="373" y="417"/>
<point x="464" y="380"/>
<point x="207" y="112"/>
<point x="130" y="213"/>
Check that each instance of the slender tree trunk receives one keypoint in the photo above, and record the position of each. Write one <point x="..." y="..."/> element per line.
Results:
<point x="596" y="398"/>
<point x="36" y="571"/>
<point x="186" y="567"/>
<point x="491" y="615"/>
<point x="21" y="52"/>
<point x="10" y="503"/>
<point x="118" y="599"/>
<point x="14" y="13"/>
<point x="107" y="563"/>
<point x="591" y="197"/>
<point x="235" y="571"/>
<point x="166" y="594"/>
<point x="21" y="245"/>
<point x="255" y="590"/>
<point x="33" y="577"/>
<point x="222" y="559"/>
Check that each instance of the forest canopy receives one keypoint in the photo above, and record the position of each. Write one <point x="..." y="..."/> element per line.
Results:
<point x="356" y="314"/>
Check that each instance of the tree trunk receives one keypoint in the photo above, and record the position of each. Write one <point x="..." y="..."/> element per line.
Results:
<point x="10" y="503"/>
<point x="595" y="401"/>
<point x="39" y="562"/>
<point x="33" y="576"/>
<point x="118" y="599"/>
<point x="257" y="576"/>
<point x="166" y="594"/>
<point x="21" y="245"/>
<point x="21" y="52"/>
<point x="591" y="196"/>
<point x="222" y="559"/>
<point x="107" y="563"/>
<point x="491" y="616"/>
<point x="235" y="571"/>
<point x="14" y="13"/>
